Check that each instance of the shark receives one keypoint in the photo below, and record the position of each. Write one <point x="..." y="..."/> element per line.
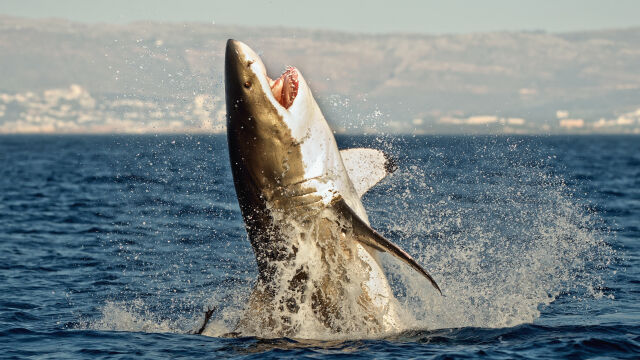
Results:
<point x="319" y="271"/>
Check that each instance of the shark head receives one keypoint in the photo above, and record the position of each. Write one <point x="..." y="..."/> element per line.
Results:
<point x="276" y="131"/>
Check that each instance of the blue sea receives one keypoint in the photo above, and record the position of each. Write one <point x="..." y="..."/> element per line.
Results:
<point x="114" y="246"/>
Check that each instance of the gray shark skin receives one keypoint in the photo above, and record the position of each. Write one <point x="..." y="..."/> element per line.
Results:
<point x="318" y="270"/>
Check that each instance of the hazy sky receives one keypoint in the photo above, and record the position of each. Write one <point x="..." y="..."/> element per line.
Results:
<point x="426" y="16"/>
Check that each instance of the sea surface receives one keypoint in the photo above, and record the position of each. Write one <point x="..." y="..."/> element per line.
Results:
<point x="114" y="246"/>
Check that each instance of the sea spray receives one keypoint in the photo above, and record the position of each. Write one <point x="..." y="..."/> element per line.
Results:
<point x="503" y="235"/>
<point x="489" y="217"/>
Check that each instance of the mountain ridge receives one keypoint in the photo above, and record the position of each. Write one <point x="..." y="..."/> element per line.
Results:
<point x="384" y="82"/>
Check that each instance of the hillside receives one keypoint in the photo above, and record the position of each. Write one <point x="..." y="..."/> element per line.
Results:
<point x="530" y="82"/>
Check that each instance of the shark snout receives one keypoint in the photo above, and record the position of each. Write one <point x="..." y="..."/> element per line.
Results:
<point x="240" y="53"/>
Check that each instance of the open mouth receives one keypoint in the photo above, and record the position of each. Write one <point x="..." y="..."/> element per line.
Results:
<point x="285" y="88"/>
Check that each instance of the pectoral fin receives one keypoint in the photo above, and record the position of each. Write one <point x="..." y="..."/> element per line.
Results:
<point x="366" y="167"/>
<point x="367" y="236"/>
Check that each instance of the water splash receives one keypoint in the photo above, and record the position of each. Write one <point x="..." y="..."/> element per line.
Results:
<point x="502" y="233"/>
<point x="131" y="316"/>
<point x="503" y="238"/>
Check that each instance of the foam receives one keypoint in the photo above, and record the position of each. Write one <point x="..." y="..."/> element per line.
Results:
<point x="503" y="243"/>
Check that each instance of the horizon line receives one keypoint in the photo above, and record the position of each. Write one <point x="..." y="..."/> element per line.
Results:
<point x="314" y="29"/>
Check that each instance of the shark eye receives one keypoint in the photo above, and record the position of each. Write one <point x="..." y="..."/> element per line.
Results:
<point x="247" y="84"/>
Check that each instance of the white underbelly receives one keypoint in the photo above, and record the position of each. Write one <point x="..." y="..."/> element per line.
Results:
<point x="379" y="291"/>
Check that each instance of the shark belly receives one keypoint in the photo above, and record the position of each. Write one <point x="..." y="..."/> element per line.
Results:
<point x="327" y="284"/>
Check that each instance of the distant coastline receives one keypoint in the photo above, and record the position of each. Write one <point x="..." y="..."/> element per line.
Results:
<point x="67" y="77"/>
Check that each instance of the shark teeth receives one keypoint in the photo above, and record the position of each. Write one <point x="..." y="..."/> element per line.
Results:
<point x="285" y="88"/>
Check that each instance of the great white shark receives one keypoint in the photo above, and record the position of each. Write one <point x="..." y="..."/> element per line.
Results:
<point x="318" y="267"/>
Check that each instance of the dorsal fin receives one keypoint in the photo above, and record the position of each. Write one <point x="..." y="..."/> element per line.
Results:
<point x="367" y="236"/>
<point x="366" y="167"/>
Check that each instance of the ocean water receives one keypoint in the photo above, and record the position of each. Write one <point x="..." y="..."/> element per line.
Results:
<point x="114" y="246"/>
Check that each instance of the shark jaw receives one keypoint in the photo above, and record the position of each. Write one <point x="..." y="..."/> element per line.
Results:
<point x="285" y="88"/>
<point x="289" y="95"/>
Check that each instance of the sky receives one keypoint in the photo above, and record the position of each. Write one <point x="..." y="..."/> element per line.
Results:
<point x="372" y="16"/>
